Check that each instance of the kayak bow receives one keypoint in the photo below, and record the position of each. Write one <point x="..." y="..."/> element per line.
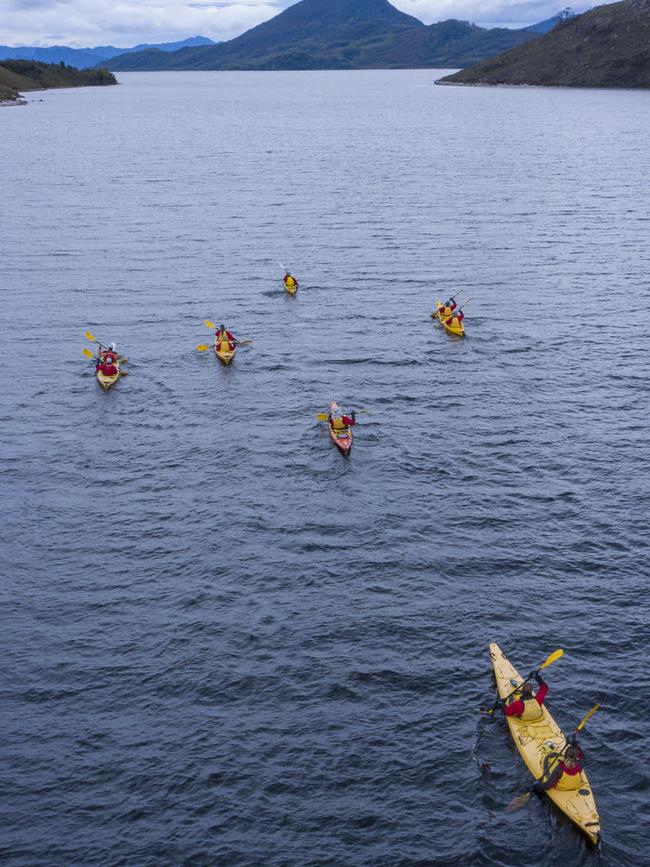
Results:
<point x="225" y="356"/>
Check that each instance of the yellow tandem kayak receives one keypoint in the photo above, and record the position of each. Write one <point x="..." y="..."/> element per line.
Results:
<point x="535" y="740"/>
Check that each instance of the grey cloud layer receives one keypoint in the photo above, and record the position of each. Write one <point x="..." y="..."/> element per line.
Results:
<point x="92" y="22"/>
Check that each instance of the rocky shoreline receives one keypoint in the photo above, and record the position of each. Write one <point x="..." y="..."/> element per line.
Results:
<point x="606" y="47"/>
<point x="18" y="76"/>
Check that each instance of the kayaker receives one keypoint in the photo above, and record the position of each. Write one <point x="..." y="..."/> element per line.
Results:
<point x="340" y="421"/>
<point x="448" y="307"/>
<point x="289" y="280"/>
<point x="222" y="335"/>
<point x="566" y="773"/>
<point x="457" y="319"/>
<point x="527" y="704"/>
<point x="107" y="368"/>
<point x="109" y="354"/>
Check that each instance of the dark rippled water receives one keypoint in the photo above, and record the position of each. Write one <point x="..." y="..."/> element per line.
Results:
<point x="224" y="644"/>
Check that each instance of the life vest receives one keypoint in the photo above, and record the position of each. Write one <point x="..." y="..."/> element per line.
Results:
<point x="108" y="369"/>
<point x="447" y="311"/>
<point x="532" y="710"/>
<point x="224" y="344"/>
<point x="338" y="423"/>
<point x="569" y="782"/>
<point x="289" y="280"/>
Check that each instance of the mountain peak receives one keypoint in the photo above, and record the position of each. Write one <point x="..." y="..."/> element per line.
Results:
<point x="351" y="10"/>
<point x="340" y="34"/>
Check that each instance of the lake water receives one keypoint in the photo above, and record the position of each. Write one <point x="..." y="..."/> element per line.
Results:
<point x="225" y="644"/>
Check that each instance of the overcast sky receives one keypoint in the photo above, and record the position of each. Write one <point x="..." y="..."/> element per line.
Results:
<point x="126" y="22"/>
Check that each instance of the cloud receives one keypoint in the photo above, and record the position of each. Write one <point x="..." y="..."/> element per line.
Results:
<point x="516" y="13"/>
<point x="126" y="22"/>
<point x="81" y="23"/>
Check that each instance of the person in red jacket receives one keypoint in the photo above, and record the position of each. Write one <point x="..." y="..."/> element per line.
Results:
<point x="450" y="305"/>
<point x="222" y="335"/>
<point x="526" y="705"/>
<point x="107" y="368"/>
<point x="109" y="355"/>
<point x="341" y="421"/>
<point x="458" y="317"/>
<point x="566" y="774"/>
<point x="290" y="281"/>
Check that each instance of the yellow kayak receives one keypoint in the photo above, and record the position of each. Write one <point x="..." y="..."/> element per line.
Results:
<point x="454" y="327"/>
<point x="291" y="285"/>
<point x="535" y="740"/>
<point x="225" y="354"/>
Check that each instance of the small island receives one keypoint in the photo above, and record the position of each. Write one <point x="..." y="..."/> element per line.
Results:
<point x="17" y="76"/>
<point x="608" y="46"/>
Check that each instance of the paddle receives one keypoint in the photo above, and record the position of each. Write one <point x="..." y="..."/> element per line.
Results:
<point x="202" y="347"/>
<point x="521" y="800"/>
<point x="323" y="416"/>
<point x="552" y="657"/>
<point x="90" y="354"/>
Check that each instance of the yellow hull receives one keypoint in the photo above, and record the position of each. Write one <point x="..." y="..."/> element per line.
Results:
<point x="225" y="357"/>
<point x="291" y="289"/>
<point x="535" y="740"/>
<point x="457" y="330"/>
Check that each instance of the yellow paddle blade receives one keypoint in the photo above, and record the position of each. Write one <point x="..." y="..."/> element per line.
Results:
<point x="210" y="324"/>
<point x="552" y="658"/>
<point x="588" y="716"/>
<point x="91" y="337"/>
<point x="518" y="802"/>
<point x="322" y="416"/>
<point x="124" y="372"/>
<point x="123" y="360"/>
<point x="88" y="353"/>
<point x="202" y="347"/>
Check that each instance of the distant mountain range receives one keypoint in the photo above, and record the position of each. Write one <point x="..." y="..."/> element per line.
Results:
<point x="339" y="34"/>
<point x="84" y="58"/>
<point x="606" y="47"/>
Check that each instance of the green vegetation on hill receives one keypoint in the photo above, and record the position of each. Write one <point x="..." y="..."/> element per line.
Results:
<point x="338" y="34"/>
<point x="606" y="47"/>
<point x="23" y="75"/>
